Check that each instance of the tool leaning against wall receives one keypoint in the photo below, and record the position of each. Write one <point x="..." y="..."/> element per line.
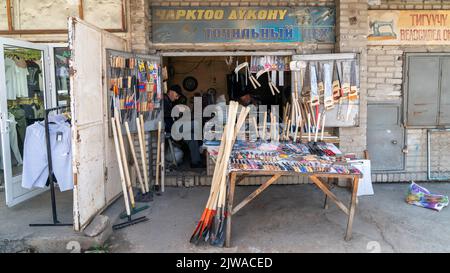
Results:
<point x="135" y="107"/>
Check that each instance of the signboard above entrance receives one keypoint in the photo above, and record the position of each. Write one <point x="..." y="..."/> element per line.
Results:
<point x="409" y="27"/>
<point x="243" y="25"/>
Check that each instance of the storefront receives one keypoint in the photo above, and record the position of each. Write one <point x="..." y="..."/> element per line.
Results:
<point x="200" y="46"/>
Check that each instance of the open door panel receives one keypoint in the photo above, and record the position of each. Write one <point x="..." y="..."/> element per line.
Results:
<point x="13" y="119"/>
<point x="96" y="184"/>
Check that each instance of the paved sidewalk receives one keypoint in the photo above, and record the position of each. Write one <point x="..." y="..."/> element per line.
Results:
<point x="291" y="219"/>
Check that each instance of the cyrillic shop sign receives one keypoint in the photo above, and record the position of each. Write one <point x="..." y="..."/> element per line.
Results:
<point x="243" y="25"/>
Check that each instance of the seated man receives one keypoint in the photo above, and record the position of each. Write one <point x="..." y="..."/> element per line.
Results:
<point x="248" y="99"/>
<point x="175" y="97"/>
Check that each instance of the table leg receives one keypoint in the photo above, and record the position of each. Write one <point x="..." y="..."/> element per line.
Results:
<point x="351" y="214"/>
<point x="231" y="189"/>
<point x="325" y="203"/>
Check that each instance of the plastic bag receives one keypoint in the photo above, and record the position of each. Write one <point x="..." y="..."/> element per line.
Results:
<point x="421" y="197"/>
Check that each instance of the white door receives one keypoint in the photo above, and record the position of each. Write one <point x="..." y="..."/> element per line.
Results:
<point x="24" y="88"/>
<point x="96" y="180"/>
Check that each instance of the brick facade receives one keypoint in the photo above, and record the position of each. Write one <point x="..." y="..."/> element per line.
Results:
<point x="351" y="36"/>
<point x="385" y="83"/>
<point x="382" y="67"/>
<point x="412" y="4"/>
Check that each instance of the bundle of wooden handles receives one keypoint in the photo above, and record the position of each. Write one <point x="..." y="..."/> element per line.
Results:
<point x="142" y="175"/>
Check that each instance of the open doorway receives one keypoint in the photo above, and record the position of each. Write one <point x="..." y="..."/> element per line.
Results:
<point x="215" y="81"/>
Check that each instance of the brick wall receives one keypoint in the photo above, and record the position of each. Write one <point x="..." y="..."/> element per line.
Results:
<point x="385" y="83"/>
<point x="412" y="4"/>
<point x="352" y="37"/>
<point x="140" y="25"/>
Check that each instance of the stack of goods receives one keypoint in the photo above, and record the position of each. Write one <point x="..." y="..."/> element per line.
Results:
<point x="135" y="86"/>
<point x="302" y="158"/>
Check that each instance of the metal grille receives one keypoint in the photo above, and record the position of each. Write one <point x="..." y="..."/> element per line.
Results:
<point x="439" y="154"/>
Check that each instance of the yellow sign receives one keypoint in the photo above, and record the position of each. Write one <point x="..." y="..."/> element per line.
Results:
<point x="409" y="27"/>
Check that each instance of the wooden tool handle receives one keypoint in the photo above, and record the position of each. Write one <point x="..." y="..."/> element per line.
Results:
<point x="124" y="162"/>
<point x="158" y="154"/>
<point x="136" y="163"/>
<point x="143" y="154"/>
<point x="122" y="175"/>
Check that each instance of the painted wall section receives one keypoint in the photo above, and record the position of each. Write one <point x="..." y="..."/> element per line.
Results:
<point x="3" y="17"/>
<point x="29" y="14"/>
<point x="105" y="14"/>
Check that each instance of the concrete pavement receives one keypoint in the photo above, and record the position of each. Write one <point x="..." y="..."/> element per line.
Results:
<point x="291" y="219"/>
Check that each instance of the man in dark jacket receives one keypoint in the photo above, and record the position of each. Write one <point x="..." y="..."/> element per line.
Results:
<point x="174" y="97"/>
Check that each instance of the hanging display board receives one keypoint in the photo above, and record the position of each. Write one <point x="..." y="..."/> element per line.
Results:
<point x="330" y="84"/>
<point x="243" y="25"/>
<point x="409" y="27"/>
<point x="135" y="88"/>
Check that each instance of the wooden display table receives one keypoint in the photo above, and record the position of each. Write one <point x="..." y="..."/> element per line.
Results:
<point x="237" y="176"/>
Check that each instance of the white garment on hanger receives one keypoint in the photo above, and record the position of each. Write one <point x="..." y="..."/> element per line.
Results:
<point x="16" y="80"/>
<point x="35" y="164"/>
<point x="10" y="70"/>
<point x="13" y="141"/>
<point x="22" y="82"/>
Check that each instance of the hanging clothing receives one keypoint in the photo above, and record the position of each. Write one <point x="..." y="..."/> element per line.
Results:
<point x="16" y="80"/>
<point x="10" y="70"/>
<point x="29" y="112"/>
<point x="21" y="126"/>
<point x="13" y="141"/>
<point x="34" y="72"/>
<point x="35" y="165"/>
<point x="62" y="77"/>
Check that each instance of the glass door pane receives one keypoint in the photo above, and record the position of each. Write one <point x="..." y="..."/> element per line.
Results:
<point x="62" y="78"/>
<point x="22" y="104"/>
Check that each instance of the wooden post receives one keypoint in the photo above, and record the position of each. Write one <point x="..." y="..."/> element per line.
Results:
<point x="351" y="214"/>
<point x="9" y="15"/>
<point x="231" y="190"/>
<point x="158" y="154"/>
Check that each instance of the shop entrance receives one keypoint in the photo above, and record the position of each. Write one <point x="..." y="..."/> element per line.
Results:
<point x="33" y="77"/>
<point x="205" y="79"/>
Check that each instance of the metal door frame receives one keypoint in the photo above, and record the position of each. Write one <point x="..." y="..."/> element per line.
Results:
<point x="54" y="94"/>
<point x="399" y="104"/>
<point x="6" y="153"/>
<point x="406" y="57"/>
